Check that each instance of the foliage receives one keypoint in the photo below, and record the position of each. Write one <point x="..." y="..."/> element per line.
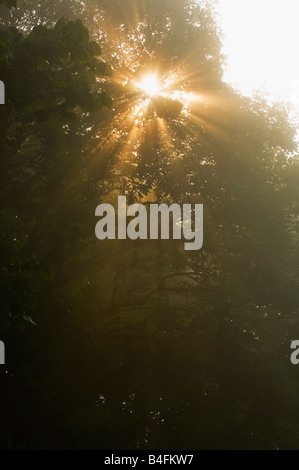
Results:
<point x="140" y="344"/>
<point x="50" y="78"/>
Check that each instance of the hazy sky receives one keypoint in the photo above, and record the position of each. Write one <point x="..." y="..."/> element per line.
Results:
<point x="262" y="45"/>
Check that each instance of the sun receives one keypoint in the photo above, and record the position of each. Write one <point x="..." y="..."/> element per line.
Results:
<point x="150" y="85"/>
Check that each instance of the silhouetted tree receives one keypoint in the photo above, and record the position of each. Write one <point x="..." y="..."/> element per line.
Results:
<point x="154" y="347"/>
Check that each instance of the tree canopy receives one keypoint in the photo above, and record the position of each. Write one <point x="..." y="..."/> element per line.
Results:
<point x="122" y="344"/>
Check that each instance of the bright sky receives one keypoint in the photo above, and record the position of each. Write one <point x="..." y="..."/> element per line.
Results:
<point x="262" y="46"/>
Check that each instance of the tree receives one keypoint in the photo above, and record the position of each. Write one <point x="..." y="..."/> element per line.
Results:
<point x="50" y="78"/>
<point x="174" y="350"/>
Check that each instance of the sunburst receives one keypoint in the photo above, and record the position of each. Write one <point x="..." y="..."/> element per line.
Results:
<point x="150" y="84"/>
